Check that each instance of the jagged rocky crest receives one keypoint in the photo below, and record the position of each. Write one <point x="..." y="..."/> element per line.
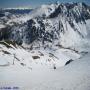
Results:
<point x="56" y="23"/>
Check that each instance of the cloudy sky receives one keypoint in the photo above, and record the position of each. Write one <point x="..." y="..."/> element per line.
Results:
<point x="32" y="3"/>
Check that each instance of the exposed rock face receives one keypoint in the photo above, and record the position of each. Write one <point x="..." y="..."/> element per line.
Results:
<point x="58" y="22"/>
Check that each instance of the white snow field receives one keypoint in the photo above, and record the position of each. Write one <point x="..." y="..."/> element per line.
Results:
<point x="27" y="73"/>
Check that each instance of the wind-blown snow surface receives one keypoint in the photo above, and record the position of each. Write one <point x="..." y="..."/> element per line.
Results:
<point x="19" y="69"/>
<point x="44" y="57"/>
<point x="74" y="76"/>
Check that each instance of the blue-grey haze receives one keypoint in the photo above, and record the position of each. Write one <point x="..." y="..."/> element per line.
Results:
<point x="32" y="3"/>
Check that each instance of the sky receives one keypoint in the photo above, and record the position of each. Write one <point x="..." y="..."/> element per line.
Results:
<point x="32" y="3"/>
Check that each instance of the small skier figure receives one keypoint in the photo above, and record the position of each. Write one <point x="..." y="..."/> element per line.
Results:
<point x="13" y="59"/>
<point x="54" y="66"/>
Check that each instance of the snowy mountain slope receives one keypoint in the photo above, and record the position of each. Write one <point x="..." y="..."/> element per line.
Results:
<point x="49" y="27"/>
<point x="60" y="32"/>
<point x="75" y="76"/>
<point x="33" y="44"/>
<point x="13" y="16"/>
<point x="44" y="10"/>
<point x="64" y="24"/>
<point x="36" y="57"/>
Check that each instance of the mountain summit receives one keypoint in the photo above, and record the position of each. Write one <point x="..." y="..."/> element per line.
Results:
<point x="64" y="24"/>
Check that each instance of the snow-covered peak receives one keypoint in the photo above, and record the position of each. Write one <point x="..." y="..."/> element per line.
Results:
<point x="44" y="10"/>
<point x="72" y="9"/>
<point x="60" y="22"/>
